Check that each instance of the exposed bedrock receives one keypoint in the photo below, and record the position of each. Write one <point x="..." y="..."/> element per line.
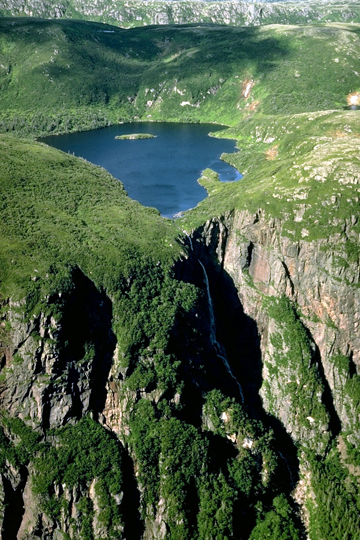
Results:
<point x="53" y="360"/>
<point x="293" y="315"/>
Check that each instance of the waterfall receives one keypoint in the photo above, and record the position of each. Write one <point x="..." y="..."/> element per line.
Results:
<point x="219" y="349"/>
<point x="288" y="467"/>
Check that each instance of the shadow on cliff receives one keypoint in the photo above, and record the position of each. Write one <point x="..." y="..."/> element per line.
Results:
<point x="240" y="339"/>
<point x="13" y="506"/>
<point x="327" y="397"/>
<point x="86" y="348"/>
<point x="133" y="523"/>
<point x="87" y="345"/>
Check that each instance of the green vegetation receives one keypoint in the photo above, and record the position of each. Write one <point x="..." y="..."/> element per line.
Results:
<point x="177" y="462"/>
<point x="59" y="76"/>
<point x="278" y="524"/>
<point x="135" y="136"/>
<point x="70" y="237"/>
<point x="51" y="224"/>
<point x="349" y="397"/>
<point x="26" y="446"/>
<point x="83" y="454"/>
<point x="180" y="464"/>
<point x="337" y="501"/>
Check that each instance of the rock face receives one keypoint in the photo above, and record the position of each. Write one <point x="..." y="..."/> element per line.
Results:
<point x="52" y="360"/>
<point x="54" y="370"/>
<point x="302" y="381"/>
<point x="139" y="12"/>
<point x="277" y="325"/>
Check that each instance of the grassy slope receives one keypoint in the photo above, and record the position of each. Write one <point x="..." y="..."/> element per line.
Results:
<point x="48" y="218"/>
<point x="66" y="75"/>
<point x="290" y="161"/>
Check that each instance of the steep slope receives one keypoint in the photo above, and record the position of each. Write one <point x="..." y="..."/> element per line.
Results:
<point x="287" y="239"/>
<point x="119" y="413"/>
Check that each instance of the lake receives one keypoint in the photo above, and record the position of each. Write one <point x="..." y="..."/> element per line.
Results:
<point x="161" y="172"/>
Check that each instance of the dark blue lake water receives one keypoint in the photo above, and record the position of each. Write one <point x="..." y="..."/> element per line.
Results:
<point x="161" y="172"/>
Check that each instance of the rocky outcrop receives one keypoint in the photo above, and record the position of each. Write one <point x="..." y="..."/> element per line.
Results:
<point x="51" y="361"/>
<point x="138" y="12"/>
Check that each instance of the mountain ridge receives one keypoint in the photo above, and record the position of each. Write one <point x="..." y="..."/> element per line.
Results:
<point x="136" y="13"/>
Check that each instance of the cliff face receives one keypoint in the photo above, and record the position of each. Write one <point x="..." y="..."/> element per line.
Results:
<point x="51" y="362"/>
<point x="303" y="300"/>
<point x="289" y="362"/>
<point x="94" y="447"/>
<point x="301" y="350"/>
<point x="273" y="332"/>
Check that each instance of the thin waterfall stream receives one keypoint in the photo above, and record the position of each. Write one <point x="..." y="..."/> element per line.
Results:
<point x="219" y="349"/>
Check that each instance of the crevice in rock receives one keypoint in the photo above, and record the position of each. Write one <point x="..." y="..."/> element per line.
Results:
<point x="39" y="530"/>
<point x="14" y="506"/>
<point x="288" y="276"/>
<point x="133" y="526"/>
<point x="2" y="360"/>
<point x="327" y="398"/>
<point x="352" y="366"/>
<point x="288" y="475"/>
<point x="38" y="364"/>
<point x="249" y="253"/>
<point x="224" y="238"/>
<point x="46" y="409"/>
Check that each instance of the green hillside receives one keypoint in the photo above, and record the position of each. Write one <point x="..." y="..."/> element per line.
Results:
<point x="63" y="75"/>
<point x="292" y="162"/>
<point x="66" y="214"/>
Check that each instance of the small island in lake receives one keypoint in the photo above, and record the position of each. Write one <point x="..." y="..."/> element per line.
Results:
<point x="135" y="136"/>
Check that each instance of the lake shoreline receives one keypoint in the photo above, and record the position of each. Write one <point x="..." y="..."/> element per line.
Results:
<point x="163" y="170"/>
